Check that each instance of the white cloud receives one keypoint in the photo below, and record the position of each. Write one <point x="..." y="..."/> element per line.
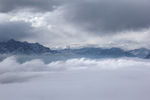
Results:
<point x="12" y="71"/>
<point x="75" y="79"/>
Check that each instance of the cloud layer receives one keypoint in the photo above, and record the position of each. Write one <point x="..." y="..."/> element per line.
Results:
<point x="119" y="23"/>
<point x="75" y="79"/>
<point x="107" y="16"/>
<point x="44" y="5"/>
<point x="35" y="68"/>
<point x="16" y="30"/>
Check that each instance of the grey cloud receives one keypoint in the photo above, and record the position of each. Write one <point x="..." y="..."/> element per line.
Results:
<point x="109" y="16"/>
<point x="43" y="5"/>
<point x="76" y="21"/>
<point x="17" y="77"/>
<point x="16" y="30"/>
<point x="97" y="16"/>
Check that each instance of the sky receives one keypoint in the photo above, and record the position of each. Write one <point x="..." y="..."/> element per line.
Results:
<point x="76" y="23"/>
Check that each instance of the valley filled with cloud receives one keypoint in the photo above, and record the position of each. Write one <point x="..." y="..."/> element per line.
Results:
<point x="82" y="79"/>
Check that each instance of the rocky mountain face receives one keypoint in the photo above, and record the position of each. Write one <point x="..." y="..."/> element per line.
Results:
<point x="17" y="47"/>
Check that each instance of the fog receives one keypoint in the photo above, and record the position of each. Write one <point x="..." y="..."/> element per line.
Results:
<point x="75" y="79"/>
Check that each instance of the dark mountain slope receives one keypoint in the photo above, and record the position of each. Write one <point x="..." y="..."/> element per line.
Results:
<point x="17" y="47"/>
<point x="98" y="52"/>
<point x="141" y="52"/>
<point x="27" y="51"/>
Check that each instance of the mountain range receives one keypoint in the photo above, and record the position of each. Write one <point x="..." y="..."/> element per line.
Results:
<point x="36" y="50"/>
<point x="17" y="47"/>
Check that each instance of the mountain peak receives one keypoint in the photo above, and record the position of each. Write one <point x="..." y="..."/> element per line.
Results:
<point x="11" y="40"/>
<point x="16" y="47"/>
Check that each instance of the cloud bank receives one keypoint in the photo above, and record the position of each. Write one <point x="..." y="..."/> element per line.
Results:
<point x="16" y="30"/>
<point x="35" y="68"/>
<point x="8" y="5"/>
<point x="75" y="79"/>
<point x="108" y="17"/>
<point x="104" y="23"/>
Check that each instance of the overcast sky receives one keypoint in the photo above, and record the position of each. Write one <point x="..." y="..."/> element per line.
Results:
<point x="60" y="23"/>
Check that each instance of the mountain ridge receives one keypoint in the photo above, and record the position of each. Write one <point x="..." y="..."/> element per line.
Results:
<point x="24" y="48"/>
<point x="16" y="47"/>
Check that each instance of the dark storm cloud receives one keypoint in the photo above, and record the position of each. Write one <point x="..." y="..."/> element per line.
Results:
<point x="71" y="18"/>
<point x="15" y="30"/>
<point x="110" y="15"/>
<point x="96" y="16"/>
<point x="41" y="5"/>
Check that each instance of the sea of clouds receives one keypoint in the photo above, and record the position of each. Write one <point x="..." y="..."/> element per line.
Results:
<point x="75" y="79"/>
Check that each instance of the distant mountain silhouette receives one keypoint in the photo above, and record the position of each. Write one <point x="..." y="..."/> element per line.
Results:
<point x="14" y="47"/>
<point x="17" y="47"/>
<point x="99" y="52"/>
<point x="148" y="57"/>
<point x="141" y="52"/>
